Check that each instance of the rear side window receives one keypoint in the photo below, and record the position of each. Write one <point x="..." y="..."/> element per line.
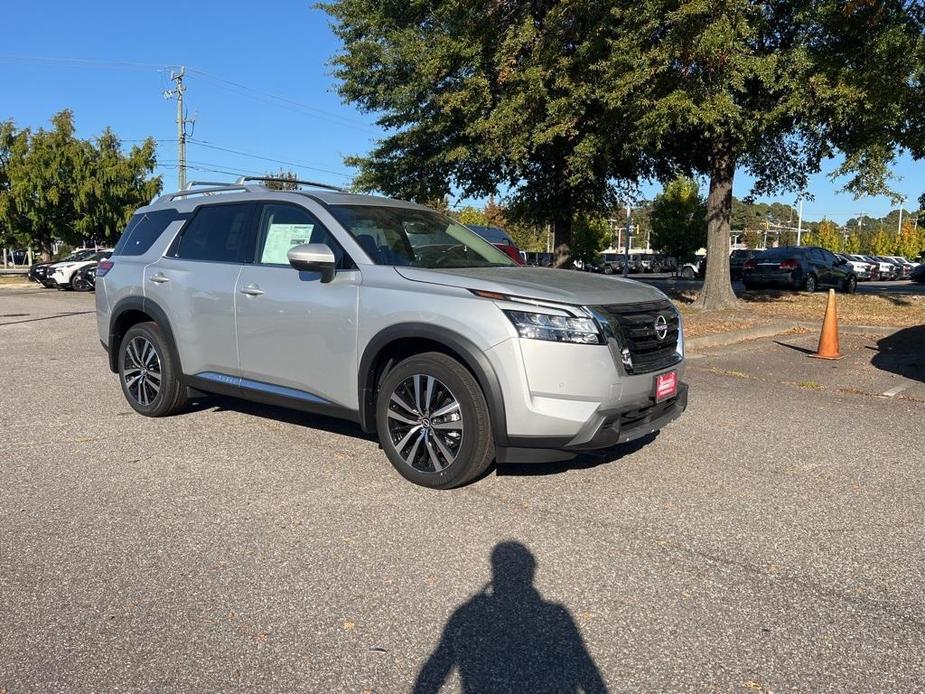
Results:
<point x="220" y="233"/>
<point x="143" y="230"/>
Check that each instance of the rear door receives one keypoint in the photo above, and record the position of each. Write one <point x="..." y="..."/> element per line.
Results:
<point x="297" y="337"/>
<point x="195" y="285"/>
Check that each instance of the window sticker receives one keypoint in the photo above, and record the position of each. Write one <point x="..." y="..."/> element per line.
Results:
<point x="282" y="237"/>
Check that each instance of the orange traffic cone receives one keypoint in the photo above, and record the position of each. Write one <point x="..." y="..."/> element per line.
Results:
<point x="828" y="338"/>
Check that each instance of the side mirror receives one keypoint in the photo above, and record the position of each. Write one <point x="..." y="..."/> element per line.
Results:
<point x="313" y="257"/>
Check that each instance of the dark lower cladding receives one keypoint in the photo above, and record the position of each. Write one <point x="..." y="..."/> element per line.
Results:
<point x="612" y="427"/>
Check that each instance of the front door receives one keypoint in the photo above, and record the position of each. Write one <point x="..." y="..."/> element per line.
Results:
<point x="297" y="337"/>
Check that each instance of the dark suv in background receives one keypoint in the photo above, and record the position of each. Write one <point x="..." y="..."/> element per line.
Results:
<point x="737" y="261"/>
<point x="799" y="267"/>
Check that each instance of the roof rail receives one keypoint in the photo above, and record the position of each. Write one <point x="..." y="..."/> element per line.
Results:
<point x="276" y="179"/>
<point x="214" y="188"/>
<point x="193" y="184"/>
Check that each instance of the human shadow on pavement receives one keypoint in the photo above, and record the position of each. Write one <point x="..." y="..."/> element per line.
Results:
<point x="903" y="353"/>
<point x="508" y="639"/>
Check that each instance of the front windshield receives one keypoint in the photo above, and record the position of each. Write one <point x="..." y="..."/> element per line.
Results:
<point x="416" y="237"/>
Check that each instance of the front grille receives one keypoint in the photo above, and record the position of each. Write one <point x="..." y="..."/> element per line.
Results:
<point x="633" y="326"/>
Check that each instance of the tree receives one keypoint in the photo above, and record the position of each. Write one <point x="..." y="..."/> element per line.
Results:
<point x="771" y="88"/>
<point x="472" y="215"/>
<point x="882" y="242"/>
<point x="909" y="241"/>
<point x="827" y="236"/>
<point x="286" y="180"/>
<point x="54" y="186"/>
<point x="484" y="95"/>
<point x="853" y="243"/>
<point x="678" y="219"/>
<point x="591" y="236"/>
<point x="751" y="238"/>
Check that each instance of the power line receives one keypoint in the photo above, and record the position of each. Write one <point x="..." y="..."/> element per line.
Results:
<point x="85" y="62"/>
<point x="301" y="165"/>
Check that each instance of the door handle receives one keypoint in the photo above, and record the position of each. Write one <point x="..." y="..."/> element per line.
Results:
<point x="252" y="290"/>
<point x="159" y="279"/>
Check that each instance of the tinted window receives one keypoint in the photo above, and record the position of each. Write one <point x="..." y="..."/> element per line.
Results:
<point x="816" y="255"/>
<point x="143" y="230"/>
<point x="285" y="226"/>
<point x="416" y="237"/>
<point x="220" y="233"/>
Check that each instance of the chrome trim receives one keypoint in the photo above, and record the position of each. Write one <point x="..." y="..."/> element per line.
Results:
<point x="273" y="389"/>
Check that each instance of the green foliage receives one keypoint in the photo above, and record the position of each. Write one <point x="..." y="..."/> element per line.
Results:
<point x="56" y="186"/>
<point x="678" y="219"/>
<point x="472" y="215"/>
<point x="910" y="241"/>
<point x="590" y="236"/>
<point x="751" y="238"/>
<point x="853" y="243"/>
<point x="827" y="236"/>
<point x="882" y="242"/>
<point x="287" y="180"/>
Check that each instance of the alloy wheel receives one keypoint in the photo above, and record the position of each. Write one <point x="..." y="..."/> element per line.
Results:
<point x="142" y="370"/>
<point x="425" y="423"/>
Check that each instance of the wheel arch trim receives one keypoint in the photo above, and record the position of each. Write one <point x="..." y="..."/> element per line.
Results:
<point x="472" y="357"/>
<point x="149" y="308"/>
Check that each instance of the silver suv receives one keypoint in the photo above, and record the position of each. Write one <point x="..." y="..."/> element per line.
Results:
<point x="390" y="315"/>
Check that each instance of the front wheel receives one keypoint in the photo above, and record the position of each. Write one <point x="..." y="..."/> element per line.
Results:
<point x="811" y="283"/>
<point x="433" y="422"/>
<point x="687" y="273"/>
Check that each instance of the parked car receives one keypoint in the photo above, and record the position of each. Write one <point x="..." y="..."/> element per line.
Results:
<point x="84" y="279"/>
<point x="918" y="274"/>
<point x="873" y="267"/>
<point x="885" y="270"/>
<point x="694" y="268"/>
<point x="612" y="263"/>
<point x="904" y="265"/>
<point x="539" y="259"/>
<point x="499" y="239"/>
<point x="737" y="259"/>
<point x="39" y="271"/>
<point x="60" y="275"/>
<point x="861" y="268"/>
<point x="799" y="267"/>
<point x="387" y="314"/>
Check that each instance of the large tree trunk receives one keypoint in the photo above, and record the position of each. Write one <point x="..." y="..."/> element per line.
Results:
<point x="717" y="285"/>
<point x="562" y="239"/>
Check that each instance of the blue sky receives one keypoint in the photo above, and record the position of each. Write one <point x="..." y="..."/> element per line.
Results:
<point x="240" y="57"/>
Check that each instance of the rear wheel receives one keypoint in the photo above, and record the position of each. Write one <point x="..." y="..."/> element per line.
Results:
<point x="811" y="283"/>
<point x="149" y="376"/>
<point x="433" y="422"/>
<point x="851" y="284"/>
<point x="687" y="273"/>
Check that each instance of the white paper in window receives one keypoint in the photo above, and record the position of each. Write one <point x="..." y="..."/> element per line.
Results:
<point x="282" y="237"/>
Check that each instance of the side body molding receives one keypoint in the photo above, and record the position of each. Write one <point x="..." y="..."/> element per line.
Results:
<point x="472" y="357"/>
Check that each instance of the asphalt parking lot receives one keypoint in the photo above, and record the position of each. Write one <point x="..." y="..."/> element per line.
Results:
<point x="769" y="540"/>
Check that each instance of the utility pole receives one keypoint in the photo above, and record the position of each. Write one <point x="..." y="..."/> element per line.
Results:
<point x="899" y="228"/>
<point x="182" y="121"/>
<point x="800" y="223"/>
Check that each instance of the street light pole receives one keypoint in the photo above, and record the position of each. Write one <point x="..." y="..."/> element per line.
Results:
<point x="626" y="248"/>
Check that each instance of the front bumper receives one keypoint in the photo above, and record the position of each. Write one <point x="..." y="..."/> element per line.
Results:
<point x="606" y="429"/>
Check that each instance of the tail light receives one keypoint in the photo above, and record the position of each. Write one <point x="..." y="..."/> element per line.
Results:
<point x="789" y="264"/>
<point x="750" y="264"/>
<point x="103" y="267"/>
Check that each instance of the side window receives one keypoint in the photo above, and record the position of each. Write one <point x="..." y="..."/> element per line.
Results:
<point x="143" y="230"/>
<point x="816" y="255"/>
<point x="220" y="233"/>
<point x="284" y="226"/>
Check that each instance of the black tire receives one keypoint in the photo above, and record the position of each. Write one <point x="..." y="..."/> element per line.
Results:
<point x="608" y="269"/>
<point x="423" y="458"/>
<point x="851" y="284"/>
<point x="79" y="282"/>
<point x="144" y="395"/>
<point x="687" y="273"/>
<point x="810" y="284"/>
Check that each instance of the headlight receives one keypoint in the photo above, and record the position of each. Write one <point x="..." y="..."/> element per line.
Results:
<point x="544" y="326"/>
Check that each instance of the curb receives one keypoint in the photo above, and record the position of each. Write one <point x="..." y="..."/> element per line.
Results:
<point x="731" y="338"/>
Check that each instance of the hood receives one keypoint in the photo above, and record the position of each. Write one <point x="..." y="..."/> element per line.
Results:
<point x="564" y="286"/>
